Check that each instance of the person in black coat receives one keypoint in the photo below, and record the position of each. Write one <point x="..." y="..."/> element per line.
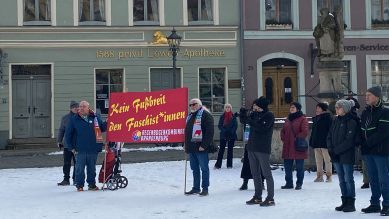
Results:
<point x="227" y="126"/>
<point x="341" y="146"/>
<point x="261" y="122"/>
<point x="198" y="141"/>
<point x="375" y="150"/>
<point x="318" y="141"/>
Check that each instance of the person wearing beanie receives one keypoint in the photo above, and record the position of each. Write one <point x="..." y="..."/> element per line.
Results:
<point x="227" y="126"/>
<point x="261" y="122"/>
<point x="375" y="150"/>
<point x="68" y="156"/>
<point x="296" y="126"/>
<point x="341" y="143"/>
<point x="318" y="141"/>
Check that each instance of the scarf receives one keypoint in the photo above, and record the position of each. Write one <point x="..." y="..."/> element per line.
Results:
<point x="99" y="136"/>
<point x="227" y="118"/>
<point x="197" y="134"/>
<point x="293" y="116"/>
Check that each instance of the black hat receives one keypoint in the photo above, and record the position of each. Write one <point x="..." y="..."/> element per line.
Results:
<point x="376" y="91"/>
<point x="323" y="106"/>
<point x="262" y="102"/>
<point x="297" y="105"/>
<point x="73" y="104"/>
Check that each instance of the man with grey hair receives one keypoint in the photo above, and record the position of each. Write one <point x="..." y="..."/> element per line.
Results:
<point x="198" y="140"/>
<point x="375" y="150"/>
<point x="87" y="126"/>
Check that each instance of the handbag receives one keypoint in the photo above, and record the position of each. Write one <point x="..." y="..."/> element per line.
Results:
<point x="300" y="144"/>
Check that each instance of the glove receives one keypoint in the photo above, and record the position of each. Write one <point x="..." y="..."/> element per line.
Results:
<point x="74" y="151"/>
<point x="60" y="146"/>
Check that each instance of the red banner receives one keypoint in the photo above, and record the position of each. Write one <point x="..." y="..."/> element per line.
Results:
<point x="147" y="117"/>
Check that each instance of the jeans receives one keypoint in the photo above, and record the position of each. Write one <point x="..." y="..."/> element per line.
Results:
<point x="288" y="165"/>
<point x="378" y="170"/>
<point x="346" y="179"/>
<point x="68" y="156"/>
<point x="199" y="160"/>
<point x="88" y="160"/>
<point x="230" y="147"/>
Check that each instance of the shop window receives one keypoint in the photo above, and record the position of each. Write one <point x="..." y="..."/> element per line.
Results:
<point x="92" y="12"/>
<point x="163" y="78"/>
<point x="212" y="88"/>
<point x="278" y="14"/>
<point x="380" y="13"/>
<point x="146" y="12"/>
<point x="200" y="11"/>
<point x="37" y="12"/>
<point x="330" y="4"/>
<point x="345" y="77"/>
<point x="107" y="81"/>
<point x="380" y="77"/>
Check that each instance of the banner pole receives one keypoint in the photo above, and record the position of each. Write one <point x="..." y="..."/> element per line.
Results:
<point x="186" y="166"/>
<point x="105" y="166"/>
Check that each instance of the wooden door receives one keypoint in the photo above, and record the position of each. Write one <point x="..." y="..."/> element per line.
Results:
<point x="280" y="88"/>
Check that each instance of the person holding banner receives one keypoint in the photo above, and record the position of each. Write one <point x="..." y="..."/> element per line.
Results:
<point x="261" y="122"/>
<point x="227" y="126"/>
<point x="198" y="139"/>
<point x="87" y="126"/>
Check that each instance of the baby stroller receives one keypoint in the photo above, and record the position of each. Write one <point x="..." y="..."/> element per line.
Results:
<point x="110" y="170"/>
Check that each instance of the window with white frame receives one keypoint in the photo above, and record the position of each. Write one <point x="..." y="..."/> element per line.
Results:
<point x="212" y="88"/>
<point x="380" y="77"/>
<point x="330" y="4"/>
<point x="345" y="77"/>
<point x="380" y="13"/>
<point x="200" y="11"/>
<point x="146" y="12"/>
<point x="278" y="14"/>
<point x="37" y="12"/>
<point x="107" y="81"/>
<point x="92" y="11"/>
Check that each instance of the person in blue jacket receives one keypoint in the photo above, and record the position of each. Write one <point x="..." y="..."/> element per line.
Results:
<point x="87" y="127"/>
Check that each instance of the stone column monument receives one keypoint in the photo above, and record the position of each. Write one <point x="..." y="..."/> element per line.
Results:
<point x="329" y="34"/>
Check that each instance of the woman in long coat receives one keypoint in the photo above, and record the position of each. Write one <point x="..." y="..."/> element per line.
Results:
<point x="296" y="125"/>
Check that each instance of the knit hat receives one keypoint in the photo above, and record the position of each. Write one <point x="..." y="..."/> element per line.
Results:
<point x="73" y="104"/>
<point x="262" y="102"/>
<point x="297" y="105"/>
<point x="345" y="104"/>
<point x="376" y="91"/>
<point x="323" y="106"/>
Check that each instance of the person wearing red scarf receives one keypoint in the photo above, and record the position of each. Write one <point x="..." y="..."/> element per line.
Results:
<point x="227" y="126"/>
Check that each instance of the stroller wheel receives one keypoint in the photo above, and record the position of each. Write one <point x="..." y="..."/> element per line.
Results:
<point x="122" y="182"/>
<point x="112" y="184"/>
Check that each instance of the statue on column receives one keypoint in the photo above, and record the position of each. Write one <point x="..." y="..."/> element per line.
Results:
<point x="329" y="34"/>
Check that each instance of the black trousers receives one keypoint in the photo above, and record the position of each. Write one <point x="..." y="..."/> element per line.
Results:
<point x="230" y="147"/>
<point x="68" y="156"/>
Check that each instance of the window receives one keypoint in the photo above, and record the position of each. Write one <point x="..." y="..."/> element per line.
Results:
<point x="212" y="88"/>
<point x="107" y="81"/>
<point x="330" y="4"/>
<point x="92" y="11"/>
<point x="380" y="77"/>
<point x="146" y="12"/>
<point x="278" y="14"/>
<point x="379" y="13"/>
<point x="37" y="12"/>
<point x="345" y="77"/>
<point x="163" y="78"/>
<point x="200" y="11"/>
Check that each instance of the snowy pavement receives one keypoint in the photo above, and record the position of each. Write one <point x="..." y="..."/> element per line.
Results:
<point x="156" y="189"/>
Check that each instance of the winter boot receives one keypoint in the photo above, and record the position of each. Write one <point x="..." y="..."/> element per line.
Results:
<point x="79" y="188"/>
<point x="329" y="178"/>
<point x="372" y="209"/>
<point x="267" y="203"/>
<point x="244" y="185"/>
<point x="64" y="183"/>
<point x="254" y="201"/>
<point x="350" y="205"/>
<point x="319" y="178"/>
<point x="204" y="192"/>
<point x="385" y="211"/>
<point x="298" y="187"/>
<point x="93" y="187"/>
<point x="192" y="192"/>
<point x="287" y="186"/>
<point x="365" y="186"/>
<point x="340" y="208"/>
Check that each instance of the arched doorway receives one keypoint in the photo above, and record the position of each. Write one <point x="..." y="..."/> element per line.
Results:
<point x="279" y="84"/>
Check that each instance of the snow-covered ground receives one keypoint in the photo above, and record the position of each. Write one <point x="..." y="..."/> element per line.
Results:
<point x="155" y="190"/>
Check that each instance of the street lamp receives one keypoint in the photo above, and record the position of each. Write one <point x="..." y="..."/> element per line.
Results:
<point x="174" y="41"/>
